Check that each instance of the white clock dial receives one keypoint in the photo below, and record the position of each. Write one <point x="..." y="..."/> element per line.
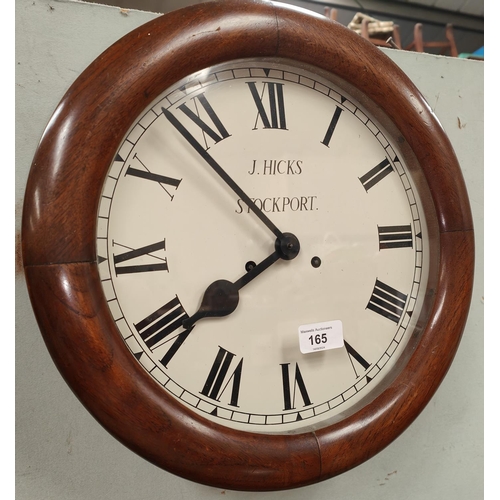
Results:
<point x="316" y="165"/>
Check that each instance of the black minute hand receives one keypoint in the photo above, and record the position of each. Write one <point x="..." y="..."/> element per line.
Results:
<point x="221" y="172"/>
<point x="222" y="296"/>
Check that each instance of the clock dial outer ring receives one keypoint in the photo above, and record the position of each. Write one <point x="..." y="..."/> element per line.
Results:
<point x="59" y="228"/>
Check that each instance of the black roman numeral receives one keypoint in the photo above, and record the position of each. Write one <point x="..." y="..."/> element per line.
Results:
<point x="131" y="254"/>
<point x="387" y="301"/>
<point x="276" y="105"/>
<point x="162" y="323"/>
<point x="376" y="174"/>
<point x="218" y="133"/>
<point x="355" y="356"/>
<point x="144" y="173"/>
<point x="289" y="389"/>
<point x="394" y="237"/>
<point x="331" y="127"/>
<point x="214" y="386"/>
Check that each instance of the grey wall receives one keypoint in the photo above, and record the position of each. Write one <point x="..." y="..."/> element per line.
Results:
<point x="61" y="451"/>
<point x="468" y="30"/>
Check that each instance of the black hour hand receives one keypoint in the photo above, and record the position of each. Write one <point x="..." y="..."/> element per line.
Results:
<point x="222" y="296"/>
<point x="220" y="299"/>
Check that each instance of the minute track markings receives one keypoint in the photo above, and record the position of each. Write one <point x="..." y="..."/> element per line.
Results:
<point x="173" y="337"/>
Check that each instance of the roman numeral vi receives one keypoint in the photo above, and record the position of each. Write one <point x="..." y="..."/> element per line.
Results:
<point x="213" y="387"/>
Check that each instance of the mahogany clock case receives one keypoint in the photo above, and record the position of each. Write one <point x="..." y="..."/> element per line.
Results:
<point x="59" y="227"/>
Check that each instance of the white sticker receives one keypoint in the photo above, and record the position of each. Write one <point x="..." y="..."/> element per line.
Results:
<point x="321" y="336"/>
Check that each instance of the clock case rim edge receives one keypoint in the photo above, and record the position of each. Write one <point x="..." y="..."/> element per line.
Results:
<point x="276" y="31"/>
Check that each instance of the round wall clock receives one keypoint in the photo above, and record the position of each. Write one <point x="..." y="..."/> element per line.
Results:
<point x="248" y="245"/>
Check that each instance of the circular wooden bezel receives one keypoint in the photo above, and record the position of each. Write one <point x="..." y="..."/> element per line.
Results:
<point x="59" y="252"/>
